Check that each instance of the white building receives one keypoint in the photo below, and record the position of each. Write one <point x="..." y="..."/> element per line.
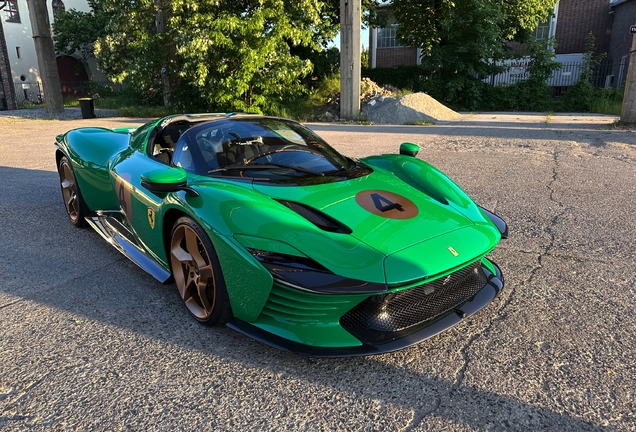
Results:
<point x="22" y="59"/>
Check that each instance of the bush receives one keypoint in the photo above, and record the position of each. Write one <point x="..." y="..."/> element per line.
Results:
<point x="403" y="77"/>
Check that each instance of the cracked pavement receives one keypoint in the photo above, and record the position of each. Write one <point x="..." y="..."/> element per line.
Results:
<point x="88" y="341"/>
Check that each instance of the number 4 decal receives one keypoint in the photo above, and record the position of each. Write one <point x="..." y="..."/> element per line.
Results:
<point x="383" y="204"/>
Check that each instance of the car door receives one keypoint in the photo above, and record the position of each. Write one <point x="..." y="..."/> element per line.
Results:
<point x="140" y="207"/>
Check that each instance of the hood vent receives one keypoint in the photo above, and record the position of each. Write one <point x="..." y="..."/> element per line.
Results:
<point x="318" y="218"/>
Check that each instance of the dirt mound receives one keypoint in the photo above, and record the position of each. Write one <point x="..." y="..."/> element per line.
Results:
<point x="410" y="109"/>
<point x="369" y="91"/>
<point x="382" y="105"/>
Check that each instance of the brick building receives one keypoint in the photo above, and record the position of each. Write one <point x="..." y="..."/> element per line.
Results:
<point x="570" y="24"/>
<point x="623" y="13"/>
<point x="576" y="19"/>
<point x="384" y="49"/>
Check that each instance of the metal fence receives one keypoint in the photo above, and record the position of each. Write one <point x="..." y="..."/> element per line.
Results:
<point x="28" y="93"/>
<point x="32" y="93"/>
<point x="606" y="74"/>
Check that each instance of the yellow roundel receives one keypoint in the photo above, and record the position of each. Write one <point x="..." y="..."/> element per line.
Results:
<point x="151" y="218"/>
<point x="122" y="186"/>
<point x="387" y="204"/>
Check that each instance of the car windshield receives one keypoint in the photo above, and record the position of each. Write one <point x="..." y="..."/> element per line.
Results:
<point x="268" y="149"/>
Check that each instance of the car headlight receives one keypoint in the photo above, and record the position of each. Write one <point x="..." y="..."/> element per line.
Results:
<point x="306" y="274"/>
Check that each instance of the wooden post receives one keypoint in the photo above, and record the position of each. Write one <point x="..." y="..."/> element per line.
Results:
<point x="350" y="22"/>
<point x="628" y="112"/>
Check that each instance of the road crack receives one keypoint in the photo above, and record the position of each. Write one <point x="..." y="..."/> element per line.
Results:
<point x="420" y="415"/>
<point x="500" y="314"/>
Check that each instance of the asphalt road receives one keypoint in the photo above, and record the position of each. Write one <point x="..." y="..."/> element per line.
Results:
<point x="88" y="341"/>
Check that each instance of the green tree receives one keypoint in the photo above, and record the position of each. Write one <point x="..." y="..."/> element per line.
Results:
<point x="583" y="94"/>
<point x="76" y="31"/>
<point x="219" y="54"/>
<point x="462" y="40"/>
<point x="228" y="55"/>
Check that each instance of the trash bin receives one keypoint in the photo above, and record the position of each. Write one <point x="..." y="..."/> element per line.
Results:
<point x="88" y="107"/>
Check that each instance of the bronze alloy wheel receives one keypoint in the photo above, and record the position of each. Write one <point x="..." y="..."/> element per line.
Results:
<point x="197" y="273"/>
<point x="70" y="193"/>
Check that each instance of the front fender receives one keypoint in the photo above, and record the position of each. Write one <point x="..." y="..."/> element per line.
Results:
<point x="431" y="181"/>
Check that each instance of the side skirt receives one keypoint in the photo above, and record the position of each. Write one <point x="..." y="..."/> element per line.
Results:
<point x="115" y="233"/>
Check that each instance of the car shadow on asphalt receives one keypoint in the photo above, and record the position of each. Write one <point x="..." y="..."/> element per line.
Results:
<point x="75" y="271"/>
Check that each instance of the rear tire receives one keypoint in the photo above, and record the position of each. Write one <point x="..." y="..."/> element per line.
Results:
<point x="197" y="273"/>
<point x="71" y="195"/>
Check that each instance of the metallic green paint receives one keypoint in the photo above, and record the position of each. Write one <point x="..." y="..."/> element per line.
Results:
<point x="111" y="164"/>
<point x="409" y="149"/>
<point x="165" y="176"/>
<point x="266" y="244"/>
<point x="248" y="283"/>
<point x="311" y="319"/>
<point x="382" y="234"/>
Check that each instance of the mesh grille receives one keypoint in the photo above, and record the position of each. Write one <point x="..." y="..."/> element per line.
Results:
<point x="398" y="311"/>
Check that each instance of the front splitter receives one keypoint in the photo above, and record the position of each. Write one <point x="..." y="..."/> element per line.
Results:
<point x="493" y="287"/>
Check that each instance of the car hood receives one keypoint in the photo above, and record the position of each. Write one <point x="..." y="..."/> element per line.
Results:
<point x="382" y="211"/>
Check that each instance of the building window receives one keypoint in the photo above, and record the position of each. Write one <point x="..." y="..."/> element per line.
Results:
<point x="543" y="31"/>
<point x="17" y="51"/>
<point x="386" y="37"/>
<point x="12" y="12"/>
<point x="58" y="8"/>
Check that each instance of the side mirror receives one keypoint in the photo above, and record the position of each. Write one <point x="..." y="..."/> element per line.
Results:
<point x="409" y="149"/>
<point x="169" y="179"/>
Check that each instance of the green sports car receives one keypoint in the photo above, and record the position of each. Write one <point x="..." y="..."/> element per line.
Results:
<point x="264" y="227"/>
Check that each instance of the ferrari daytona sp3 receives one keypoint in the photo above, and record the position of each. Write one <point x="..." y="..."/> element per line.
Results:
<point x="263" y="226"/>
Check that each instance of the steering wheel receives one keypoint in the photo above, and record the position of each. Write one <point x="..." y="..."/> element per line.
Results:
<point x="206" y="144"/>
<point x="286" y="149"/>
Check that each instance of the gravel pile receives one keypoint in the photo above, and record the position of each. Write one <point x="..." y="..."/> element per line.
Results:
<point x="410" y="109"/>
<point x="369" y="91"/>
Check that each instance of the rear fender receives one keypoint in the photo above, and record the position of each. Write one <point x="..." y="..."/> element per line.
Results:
<point x="89" y="150"/>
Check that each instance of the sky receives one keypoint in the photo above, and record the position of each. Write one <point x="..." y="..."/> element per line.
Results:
<point x="364" y="39"/>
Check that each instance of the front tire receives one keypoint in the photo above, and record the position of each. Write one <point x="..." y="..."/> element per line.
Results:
<point x="73" y="201"/>
<point x="197" y="273"/>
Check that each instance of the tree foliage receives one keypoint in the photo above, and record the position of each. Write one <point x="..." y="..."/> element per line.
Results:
<point x="77" y="31"/>
<point x="463" y="39"/>
<point x="228" y="55"/>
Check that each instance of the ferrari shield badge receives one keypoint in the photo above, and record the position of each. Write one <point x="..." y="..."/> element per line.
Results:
<point x="453" y="251"/>
<point x="151" y="218"/>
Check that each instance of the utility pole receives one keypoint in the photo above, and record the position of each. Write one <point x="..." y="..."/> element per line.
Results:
<point x="628" y="113"/>
<point x="45" y="51"/>
<point x="350" y="22"/>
